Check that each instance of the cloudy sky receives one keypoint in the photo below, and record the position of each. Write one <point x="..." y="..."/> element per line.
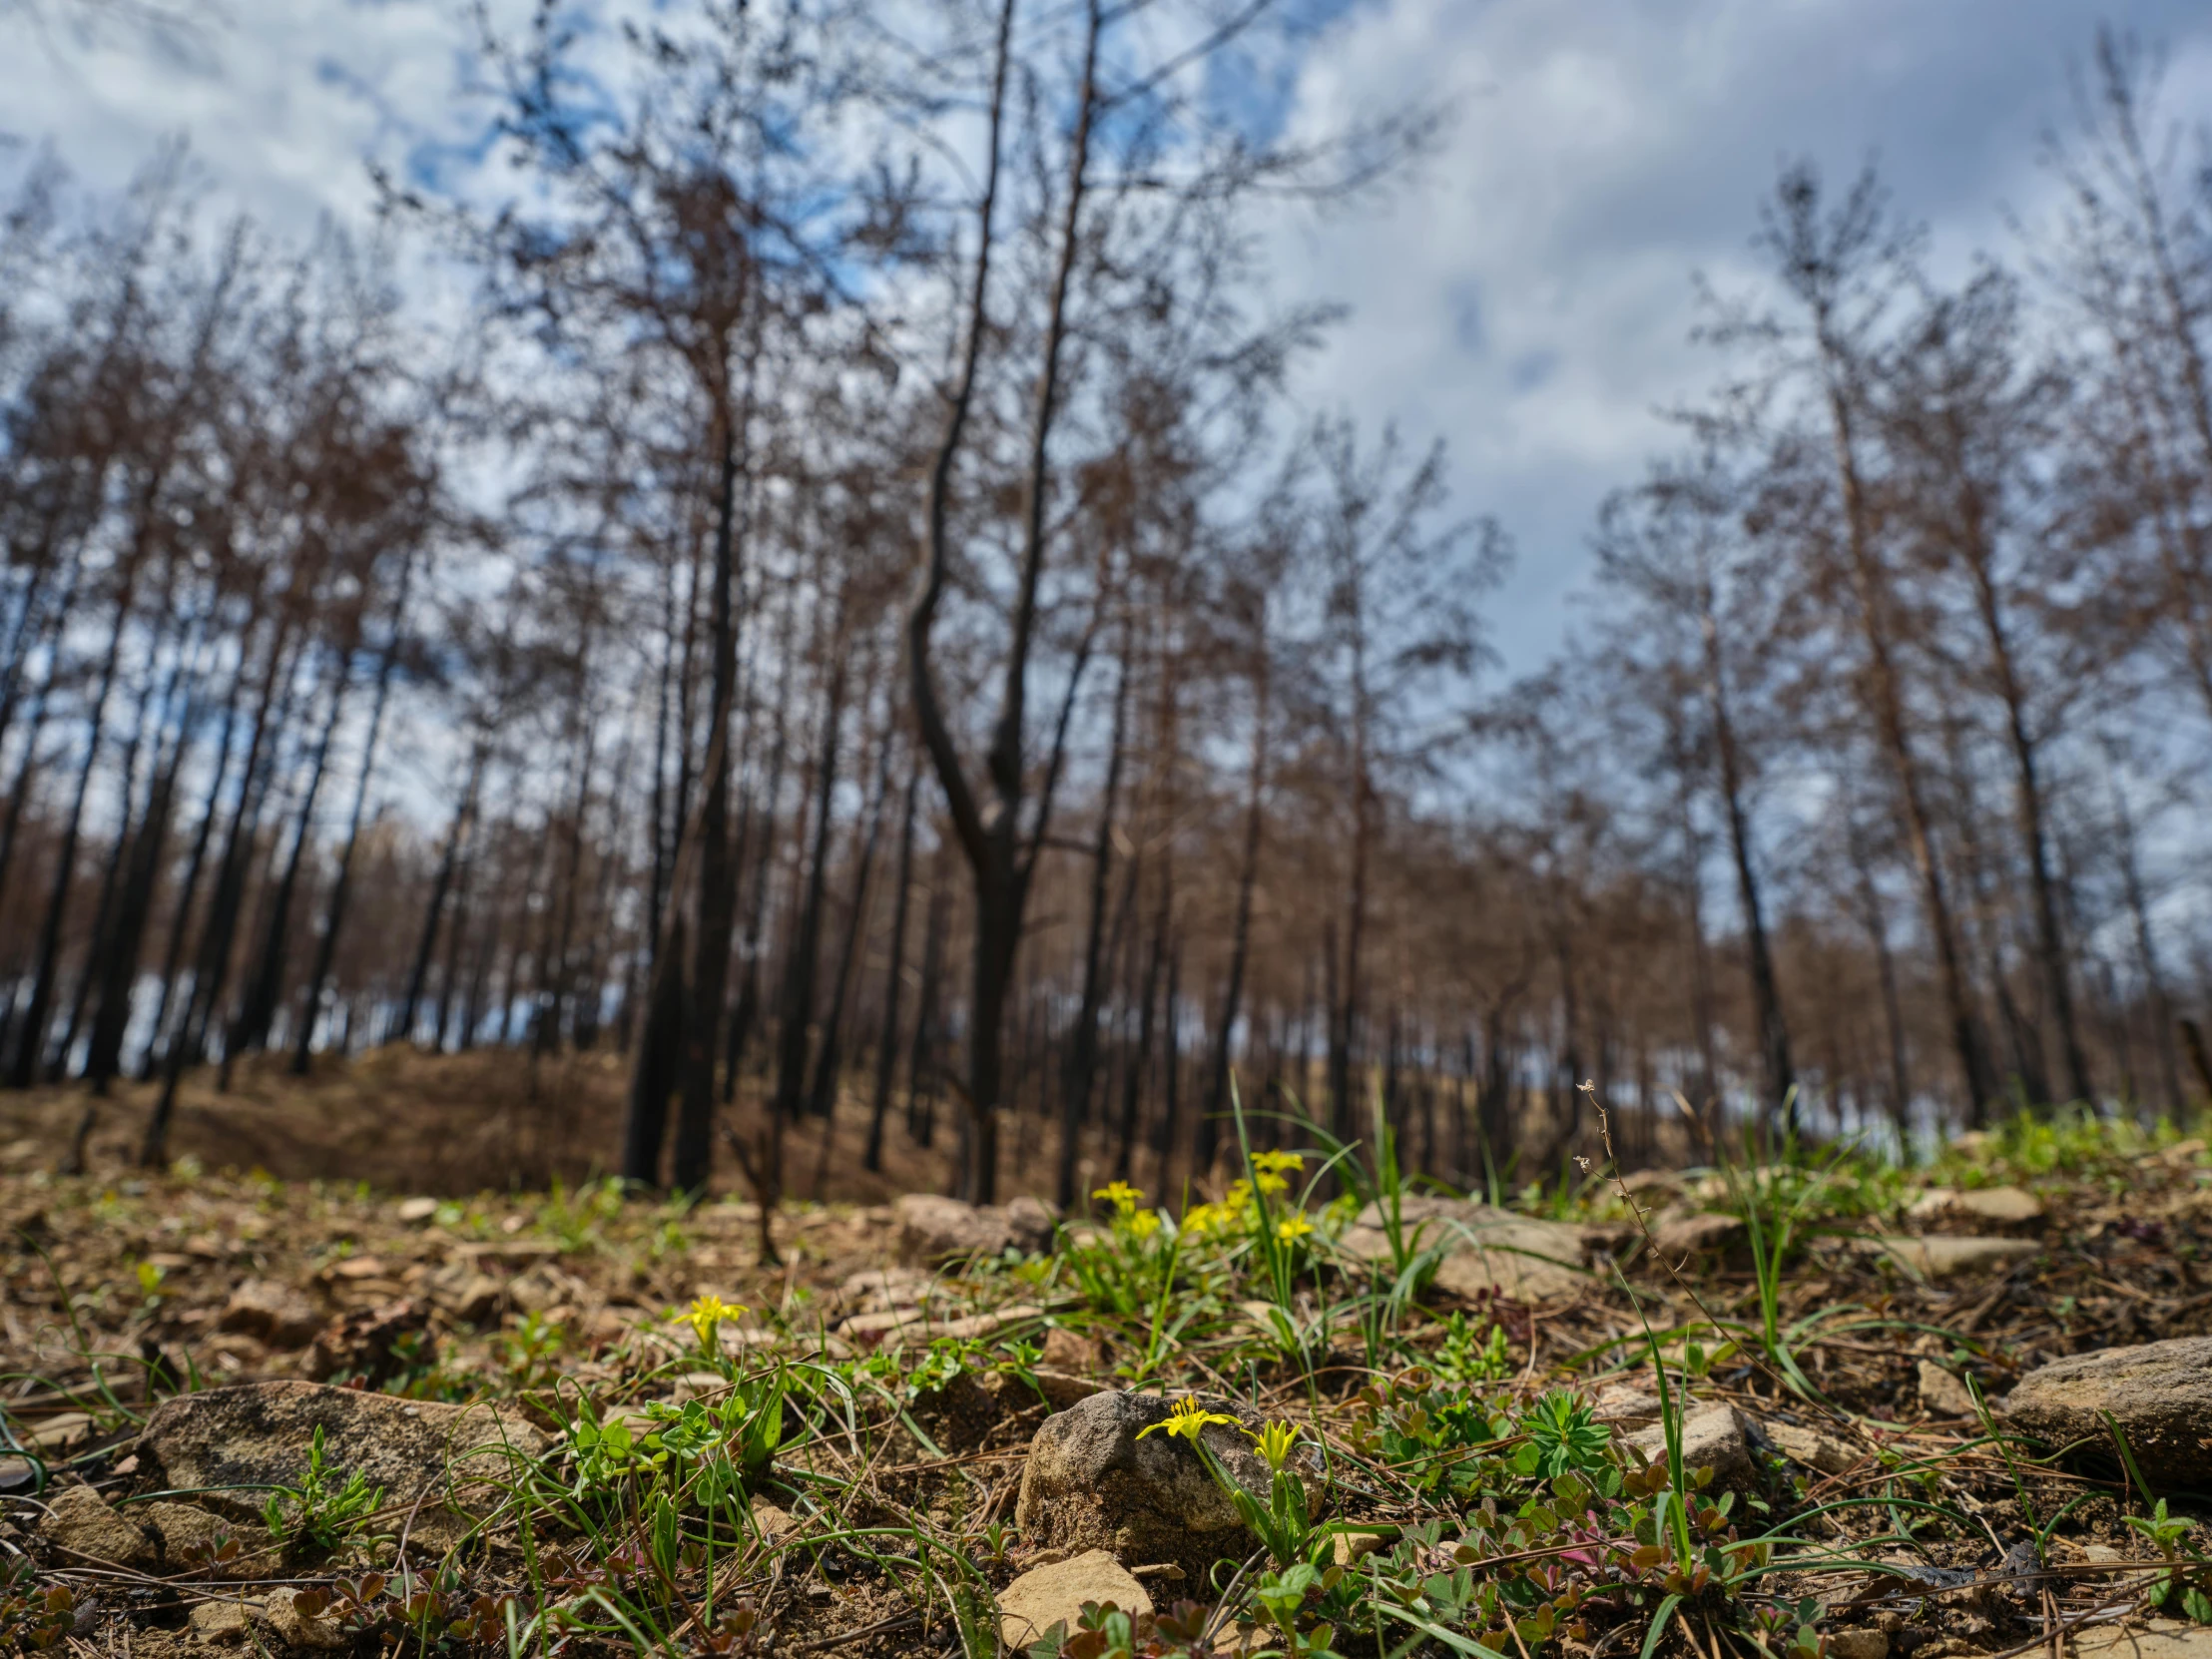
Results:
<point x="1527" y="298"/>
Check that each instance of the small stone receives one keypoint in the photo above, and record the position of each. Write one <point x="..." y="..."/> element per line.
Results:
<point x="2098" y="1555"/>
<point x="775" y="1523"/>
<point x="1625" y="1406"/>
<point x="1032" y="1604"/>
<point x="1065" y="1351"/>
<point x="1096" y="1480"/>
<point x="2161" y="1639"/>
<point x="1712" y="1436"/>
<point x="363" y="1344"/>
<point x="1942" y="1394"/>
<point x="1940" y="1257"/>
<point x="415" y="1211"/>
<point x="471" y="1298"/>
<point x="1032" y="1224"/>
<point x="1348" y="1549"/>
<point x="1858" y="1644"/>
<point x="1488" y="1250"/>
<point x="221" y="1621"/>
<point x="934" y="1230"/>
<point x="60" y="1432"/>
<point x="1811" y="1448"/>
<point x="2161" y="1393"/>
<point x="1997" y="1206"/>
<point x="1680" y="1238"/>
<point x="78" y="1522"/>
<point x="186" y="1535"/>
<point x="296" y="1627"/>
<point x="273" y="1313"/>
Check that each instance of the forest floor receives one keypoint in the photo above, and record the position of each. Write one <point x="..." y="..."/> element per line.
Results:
<point x="454" y="1125"/>
<point x="260" y="1415"/>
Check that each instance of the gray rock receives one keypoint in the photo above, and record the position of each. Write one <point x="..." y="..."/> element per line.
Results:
<point x="155" y="1536"/>
<point x="1858" y="1644"/>
<point x="1489" y="1249"/>
<point x="258" y="1435"/>
<point x="2160" y="1639"/>
<point x="1031" y="1222"/>
<point x="291" y="1622"/>
<point x="1995" y="1206"/>
<point x="1683" y="1238"/>
<point x="1713" y="1437"/>
<point x="1044" y="1596"/>
<point x="1626" y="1405"/>
<point x="463" y="1292"/>
<point x="78" y="1522"/>
<point x="1942" y="1257"/>
<point x="1942" y="1394"/>
<point x="223" y="1622"/>
<point x="1092" y="1483"/>
<point x="363" y="1343"/>
<point x="934" y="1230"/>
<point x="273" y="1313"/>
<point x="1811" y="1448"/>
<point x="2161" y="1393"/>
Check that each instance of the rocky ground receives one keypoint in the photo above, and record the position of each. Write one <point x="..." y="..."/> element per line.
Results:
<point x="1794" y="1410"/>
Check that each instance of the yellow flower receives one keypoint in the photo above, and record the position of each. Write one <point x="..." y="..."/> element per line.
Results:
<point x="1275" y="1443"/>
<point x="1271" y="1184"/>
<point x="1121" y="1195"/>
<point x="1279" y="1163"/>
<point x="1142" y="1224"/>
<point x="1203" y="1219"/>
<point x="1291" y="1228"/>
<point x="1187" y="1420"/>
<point x="1237" y="1196"/>
<point x="706" y="1315"/>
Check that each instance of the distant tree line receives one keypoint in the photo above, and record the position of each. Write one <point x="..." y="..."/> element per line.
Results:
<point x="855" y="619"/>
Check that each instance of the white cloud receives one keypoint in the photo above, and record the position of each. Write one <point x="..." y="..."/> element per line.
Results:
<point x="1530" y="297"/>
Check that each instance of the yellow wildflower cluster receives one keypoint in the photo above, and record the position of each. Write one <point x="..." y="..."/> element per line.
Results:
<point x="1238" y="1210"/>
<point x="705" y="1317"/>
<point x="1137" y="1224"/>
<point x="1229" y="1216"/>
<point x="1271" y="1171"/>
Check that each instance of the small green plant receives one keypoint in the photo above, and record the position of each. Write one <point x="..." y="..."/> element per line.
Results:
<point x="1788" y="1631"/>
<point x="530" y="1352"/>
<point x="1283" y="1594"/>
<point x="577" y="1222"/>
<point x="1465" y="1358"/>
<point x="32" y="1616"/>
<point x="1432" y="1437"/>
<point x="1564" y="1435"/>
<point x="320" y="1514"/>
